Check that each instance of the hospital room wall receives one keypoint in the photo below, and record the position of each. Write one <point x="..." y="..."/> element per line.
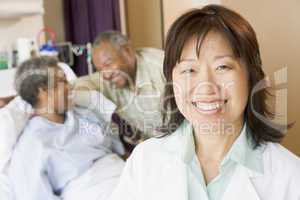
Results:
<point x="54" y="18"/>
<point x="277" y="26"/>
<point x="29" y="26"/>
<point x="144" y="22"/>
<point x="24" y="27"/>
<point x="141" y="20"/>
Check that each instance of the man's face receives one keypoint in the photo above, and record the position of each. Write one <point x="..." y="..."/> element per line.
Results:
<point x="116" y="65"/>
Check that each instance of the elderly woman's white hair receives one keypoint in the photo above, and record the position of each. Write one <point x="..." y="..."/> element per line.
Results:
<point x="32" y="75"/>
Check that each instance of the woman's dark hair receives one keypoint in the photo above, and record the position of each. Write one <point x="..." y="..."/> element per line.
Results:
<point x="242" y="38"/>
<point x="32" y="75"/>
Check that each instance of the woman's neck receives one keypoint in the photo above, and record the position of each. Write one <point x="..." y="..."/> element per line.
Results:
<point x="53" y="117"/>
<point x="213" y="146"/>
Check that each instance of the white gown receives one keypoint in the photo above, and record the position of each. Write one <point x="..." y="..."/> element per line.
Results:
<point x="65" y="161"/>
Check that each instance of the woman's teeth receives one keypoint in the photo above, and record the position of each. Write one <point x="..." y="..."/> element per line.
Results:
<point x="208" y="106"/>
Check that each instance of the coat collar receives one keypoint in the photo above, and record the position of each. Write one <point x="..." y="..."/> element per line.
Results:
<point x="241" y="152"/>
<point x="240" y="186"/>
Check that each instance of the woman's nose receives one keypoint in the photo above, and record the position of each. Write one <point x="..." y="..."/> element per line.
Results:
<point x="205" y="74"/>
<point x="206" y="88"/>
<point x="206" y="84"/>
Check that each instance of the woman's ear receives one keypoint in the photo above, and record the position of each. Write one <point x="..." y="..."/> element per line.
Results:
<point x="42" y="91"/>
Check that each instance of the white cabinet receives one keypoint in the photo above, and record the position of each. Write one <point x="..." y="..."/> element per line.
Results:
<point x="20" y="8"/>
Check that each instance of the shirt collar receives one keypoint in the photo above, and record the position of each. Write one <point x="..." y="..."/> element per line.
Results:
<point x="241" y="152"/>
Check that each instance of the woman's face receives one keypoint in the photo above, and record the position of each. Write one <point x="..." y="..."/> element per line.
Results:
<point x="56" y="97"/>
<point x="211" y="90"/>
<point x="61" y="92"/>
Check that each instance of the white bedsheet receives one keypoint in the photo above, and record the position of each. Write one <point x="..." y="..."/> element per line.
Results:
<point x="98" y="182"/>
<point x="5" y="189"/>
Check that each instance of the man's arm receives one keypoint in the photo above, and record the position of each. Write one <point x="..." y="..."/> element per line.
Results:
<point x="96" y="82"/>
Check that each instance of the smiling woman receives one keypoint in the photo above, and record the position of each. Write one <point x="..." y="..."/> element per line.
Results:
<point x="217" y="147"/>
<point x="224" y="48"/>
<point x="214" y="84"/>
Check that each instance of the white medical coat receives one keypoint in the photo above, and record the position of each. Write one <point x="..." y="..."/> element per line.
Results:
<point x="157" y="171"/>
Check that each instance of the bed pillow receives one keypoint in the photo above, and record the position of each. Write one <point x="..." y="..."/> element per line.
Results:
<point x="13" y="119"/>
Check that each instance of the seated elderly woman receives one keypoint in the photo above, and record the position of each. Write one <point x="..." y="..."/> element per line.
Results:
<point x="60" y="143"/>
<point x="222" y="143"/>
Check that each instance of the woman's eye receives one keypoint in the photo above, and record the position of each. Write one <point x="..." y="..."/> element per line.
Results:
<point x="223" y="68"/>
<point x="187" y="71"/>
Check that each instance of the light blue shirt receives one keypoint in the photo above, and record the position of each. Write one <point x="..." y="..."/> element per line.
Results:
<point x="50" y="155"/>
<point x="240" y="153"/>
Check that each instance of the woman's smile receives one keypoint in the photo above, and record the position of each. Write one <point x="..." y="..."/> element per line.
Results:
<point x="209" y="107"/>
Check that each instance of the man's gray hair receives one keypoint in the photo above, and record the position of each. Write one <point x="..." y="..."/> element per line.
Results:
<point x="32" y="75"/>
<point x="115" y="38"/>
